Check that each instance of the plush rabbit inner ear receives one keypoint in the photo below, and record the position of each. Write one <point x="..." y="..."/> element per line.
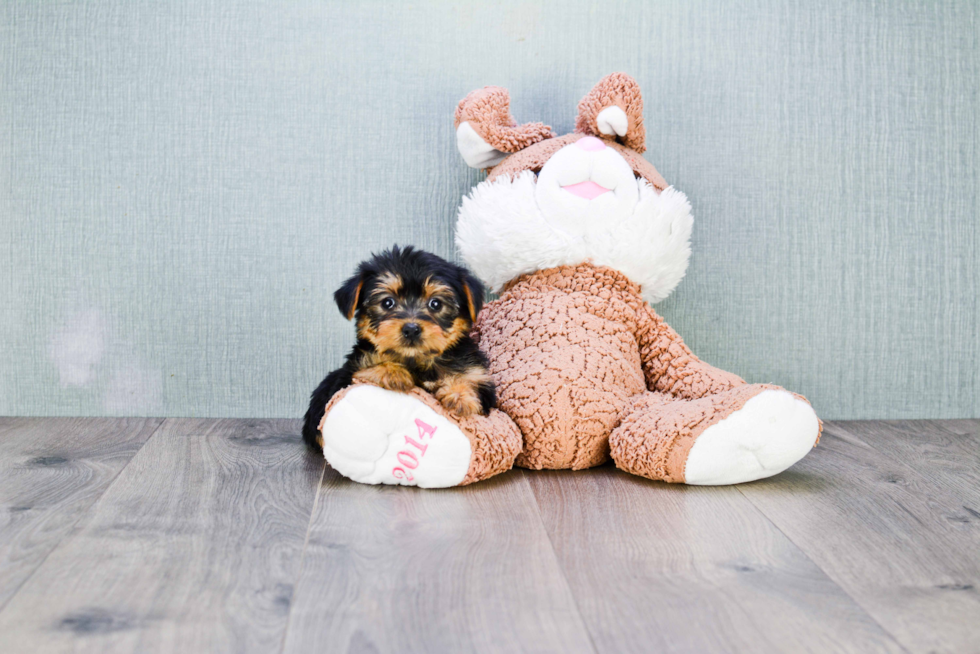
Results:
<point x="612" y="121"/>
<point x="476" y="152"/>
<point x="614" y="109"/>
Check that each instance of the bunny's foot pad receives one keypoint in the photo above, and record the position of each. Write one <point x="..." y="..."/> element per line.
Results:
<point x="375" y="436"/>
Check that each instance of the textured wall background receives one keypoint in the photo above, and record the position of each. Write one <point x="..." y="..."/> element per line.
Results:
<point x="184" y="184"/>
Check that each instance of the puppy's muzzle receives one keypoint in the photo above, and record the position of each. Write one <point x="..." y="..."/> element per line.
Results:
<point x="411" y="331"/>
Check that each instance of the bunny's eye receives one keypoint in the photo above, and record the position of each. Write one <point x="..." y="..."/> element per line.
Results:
<point x="388" y="304"/>
<point x="435" y="304"/>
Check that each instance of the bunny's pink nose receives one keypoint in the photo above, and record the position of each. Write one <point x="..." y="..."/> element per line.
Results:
<point x="590" y="144"/>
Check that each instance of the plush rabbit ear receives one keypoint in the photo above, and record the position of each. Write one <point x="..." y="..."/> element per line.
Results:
<point x="613" y="109"/>
<point x="486" y="132"/>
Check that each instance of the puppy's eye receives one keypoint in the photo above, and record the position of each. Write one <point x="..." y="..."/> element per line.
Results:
<point x="388" y="304"/>
<point x="435" y="304"/>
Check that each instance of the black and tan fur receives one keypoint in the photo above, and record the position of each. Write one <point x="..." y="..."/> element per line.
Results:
<point x="414" y="312"/>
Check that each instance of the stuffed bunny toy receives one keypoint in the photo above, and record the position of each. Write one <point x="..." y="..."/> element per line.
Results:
<point x="579" y="234"/>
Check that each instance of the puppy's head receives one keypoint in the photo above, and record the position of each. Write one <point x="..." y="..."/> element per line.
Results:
<point x="411" y="303"/>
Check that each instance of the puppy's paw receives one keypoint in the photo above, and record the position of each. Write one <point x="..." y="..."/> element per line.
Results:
<point x="390" y="376"/>
<point x="460" y="398"/>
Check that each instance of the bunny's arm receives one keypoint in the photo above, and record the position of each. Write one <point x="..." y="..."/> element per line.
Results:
<point x="670" y="367"/>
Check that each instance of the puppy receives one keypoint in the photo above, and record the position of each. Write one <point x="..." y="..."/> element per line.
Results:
<point x="413" y="312"/>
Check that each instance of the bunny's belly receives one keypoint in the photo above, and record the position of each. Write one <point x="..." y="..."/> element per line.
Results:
<point x="563" y="375"/>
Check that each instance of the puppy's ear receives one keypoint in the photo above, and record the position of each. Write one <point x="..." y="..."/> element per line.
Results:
<point x="348" y="296"/>
<point x="473" y="291"/>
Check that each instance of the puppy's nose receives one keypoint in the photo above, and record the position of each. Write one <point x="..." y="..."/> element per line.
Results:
<point x="590" y="144"/>
<point x="411" y="330"/>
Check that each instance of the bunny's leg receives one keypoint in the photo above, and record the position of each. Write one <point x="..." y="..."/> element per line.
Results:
<point x="746" y="433"/>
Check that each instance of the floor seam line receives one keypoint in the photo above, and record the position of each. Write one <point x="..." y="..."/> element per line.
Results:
<point x="74" y="527"/>
<point x="897" y="461"/>
<point x="561" y="568"/>
<point x="302" y="556"/>
<point x="825" y="572"/>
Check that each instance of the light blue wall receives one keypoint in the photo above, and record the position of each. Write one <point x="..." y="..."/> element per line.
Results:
<point x="184" y="184"/>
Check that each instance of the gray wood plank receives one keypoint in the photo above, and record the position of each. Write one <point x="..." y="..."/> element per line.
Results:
<point x="405" y="570"/>
<point x="945" y="451"/>
<point x="51" y="471"/>
<point x="970" y="427"/>
<point x="903" y="547"/>
<point x="667" y="568"/>
<point x="194" y="548"/>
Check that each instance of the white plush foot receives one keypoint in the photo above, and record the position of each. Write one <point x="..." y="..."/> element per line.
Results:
<point x="770" y="433"/>
<point x="374" y="436"/>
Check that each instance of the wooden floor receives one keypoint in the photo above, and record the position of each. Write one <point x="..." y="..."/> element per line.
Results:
<point x="145" y="535"/>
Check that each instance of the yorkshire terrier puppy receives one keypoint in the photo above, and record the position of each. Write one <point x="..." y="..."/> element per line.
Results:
<point x="413" y="312"/>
